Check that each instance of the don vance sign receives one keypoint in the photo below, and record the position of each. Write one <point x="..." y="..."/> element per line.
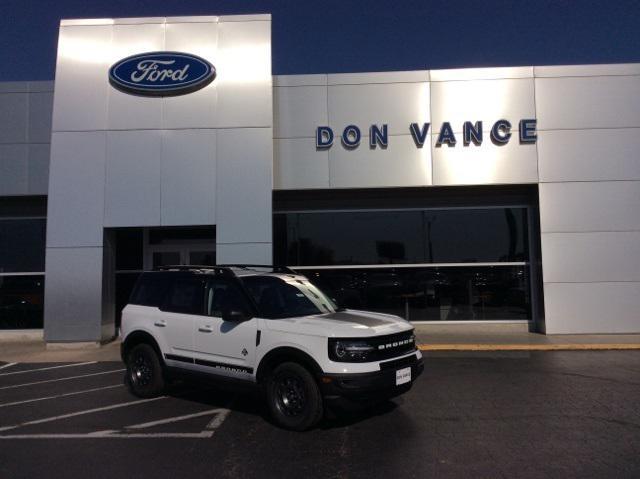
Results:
<point x="500" y="132"/>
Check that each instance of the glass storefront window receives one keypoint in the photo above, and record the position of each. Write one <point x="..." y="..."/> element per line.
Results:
<point x="461" y="293"/>
<point x="441" y="248"/>
<point x="22" y="245"/>
<point x="173" y="235"/>
<point x="476" y="235"/>
<point x="22" y="250"/>
<point x="203" y="258"/>
<point x="21" y="302"/>
<point x="465" y="235"/>
<point x="129" y="249"/>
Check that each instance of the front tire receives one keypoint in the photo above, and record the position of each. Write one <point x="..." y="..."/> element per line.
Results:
<point x="294" y="398"/>
<point x="144" y="375"/>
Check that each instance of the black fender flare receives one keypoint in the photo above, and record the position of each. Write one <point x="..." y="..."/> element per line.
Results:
<point x="284" y="354"/>
<point x="139" y="337"/>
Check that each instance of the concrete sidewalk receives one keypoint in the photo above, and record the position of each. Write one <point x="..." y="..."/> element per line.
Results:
<point x="35" y="351"/>
<point x="428" y="339"/>
<point x="452" y="340"/>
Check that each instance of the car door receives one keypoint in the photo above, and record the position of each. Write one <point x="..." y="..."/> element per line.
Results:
<point x="225" y="347"/>
<point x="183" y="303"/>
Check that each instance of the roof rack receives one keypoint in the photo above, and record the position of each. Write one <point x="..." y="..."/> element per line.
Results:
<point x="274" y="268"/>
<point x="224" y="268"/>
<point x="195" y="267"/>
<point x="184" y="266"/>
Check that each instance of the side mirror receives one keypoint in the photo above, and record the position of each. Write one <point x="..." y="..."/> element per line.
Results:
<point x="234" y="315"/>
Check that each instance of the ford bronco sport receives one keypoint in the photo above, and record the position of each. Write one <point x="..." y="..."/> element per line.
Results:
<point x="267" y="326"/>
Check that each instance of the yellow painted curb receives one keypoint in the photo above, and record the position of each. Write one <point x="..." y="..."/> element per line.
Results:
<point x="527" y="347"/>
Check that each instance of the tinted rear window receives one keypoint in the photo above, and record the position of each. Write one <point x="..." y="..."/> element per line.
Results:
<point x="151" y="289"/>
<point x="186" y="296"/>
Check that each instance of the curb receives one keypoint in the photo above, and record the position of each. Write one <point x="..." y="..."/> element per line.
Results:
<point x="529" y="347"/>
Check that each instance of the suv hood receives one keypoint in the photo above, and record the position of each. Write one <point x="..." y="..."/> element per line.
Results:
<point x="343" y="324"/>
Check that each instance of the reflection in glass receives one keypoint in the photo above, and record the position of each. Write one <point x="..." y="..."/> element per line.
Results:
<point x="202" y="258"/>
<point x="183" y="235"/>
<point x="129" y="248"/>
<point x="458" y="235"/>
<point x="165" y="258"/>
<point x="22" y="245"/>
<point x="21" y="302"/>
<point x="431" y="294"/>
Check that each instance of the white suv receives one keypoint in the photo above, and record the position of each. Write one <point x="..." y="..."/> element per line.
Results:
<point x="267" y="326"/>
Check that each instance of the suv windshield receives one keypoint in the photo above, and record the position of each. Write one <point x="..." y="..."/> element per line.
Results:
<point x="284" y="298"/>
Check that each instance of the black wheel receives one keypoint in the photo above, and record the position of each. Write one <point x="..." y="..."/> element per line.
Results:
<point x="144" y="374"/>
<point x="294" y="397"/>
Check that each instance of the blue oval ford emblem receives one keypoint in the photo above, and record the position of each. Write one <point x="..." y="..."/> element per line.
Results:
<point x="161" y="74"/>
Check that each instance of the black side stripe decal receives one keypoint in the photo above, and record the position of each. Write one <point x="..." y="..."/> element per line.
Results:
<point x="175" y="357"/>
<point x="210" y="364"/>
<point x="228" y="367"/>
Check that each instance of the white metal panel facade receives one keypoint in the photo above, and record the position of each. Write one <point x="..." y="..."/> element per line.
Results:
<point x="397" y="104"/>
<point x="590" y="206"/>
<point x="400" y="164"/>
<point x="127" y="160"/>
<point x="14" y="171"/>
<point x="585" y="160"/>
<point x="589" y="155"/>
<point x="589" y="193"/>
<point x="484" y="164"/>
<point x="132" y="186"/>
<point x="118" y="160"/>
<point x="457" y="101"/>
<point x="299" y="164"/>
<point x="75" y="213"/>
<point x="588" y="102"/>
<point x="195" y="173"/>
<point x="25" y="137"/>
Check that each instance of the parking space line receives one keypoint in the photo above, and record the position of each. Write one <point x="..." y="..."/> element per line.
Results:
<point x="217" y="421"/>
<point x="81" y="413"/>
<point x="26" y="401"/>
<point x="220" y="415"/>
<point x="45" y="369"/>
<point x="178" y="418"/>
<point x="159" y="435"/>
<point x="62" y="379"/>
<point x="7" y="365"/>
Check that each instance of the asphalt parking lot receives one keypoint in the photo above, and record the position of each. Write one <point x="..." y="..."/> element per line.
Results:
<point x="541" y="414"/>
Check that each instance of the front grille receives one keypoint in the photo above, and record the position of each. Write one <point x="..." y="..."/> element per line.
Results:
<point x="393" y="345"/>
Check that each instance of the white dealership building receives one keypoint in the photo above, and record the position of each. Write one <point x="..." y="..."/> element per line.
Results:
<point x="468" y="196"/>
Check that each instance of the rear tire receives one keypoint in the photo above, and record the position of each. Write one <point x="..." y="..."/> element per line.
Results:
<point x="294" y="398"/>
<point x="144" y="375"/>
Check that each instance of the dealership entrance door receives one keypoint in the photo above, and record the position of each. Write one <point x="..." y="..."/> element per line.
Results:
<point x="166" y="255"/>
<point x="179" y="246"/>
<point x="145" y="249"/>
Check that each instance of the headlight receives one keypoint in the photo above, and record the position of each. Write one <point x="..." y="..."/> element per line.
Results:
<point x="347" y="351"/>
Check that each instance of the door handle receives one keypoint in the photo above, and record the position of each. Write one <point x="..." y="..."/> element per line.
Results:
<point x="205" y="329"/>
<point x="160" y="324"/>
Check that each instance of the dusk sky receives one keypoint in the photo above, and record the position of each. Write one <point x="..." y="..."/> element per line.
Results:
<point x="349" y="36"/>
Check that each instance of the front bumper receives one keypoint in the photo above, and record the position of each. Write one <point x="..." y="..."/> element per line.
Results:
<point x="368" y="387"/>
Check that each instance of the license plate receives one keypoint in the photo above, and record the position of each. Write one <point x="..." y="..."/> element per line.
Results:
<point x="403" y="376"/>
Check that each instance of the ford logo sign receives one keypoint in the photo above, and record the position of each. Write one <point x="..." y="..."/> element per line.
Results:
<point x="161" y="74"/>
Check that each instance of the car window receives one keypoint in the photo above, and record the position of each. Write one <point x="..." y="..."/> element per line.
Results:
<point x="185" y="296"/>
<point x="224" y="296"/>
<point x="151" y="289"/>
<point x="277" y="298"/>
